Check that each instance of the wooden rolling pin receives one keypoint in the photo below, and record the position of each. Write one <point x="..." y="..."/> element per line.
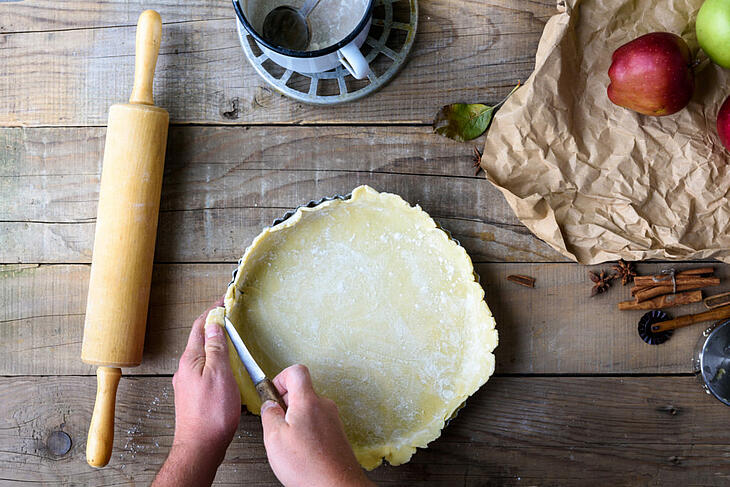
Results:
<point x="686" y="320"/>
<point x="124" y="243"/>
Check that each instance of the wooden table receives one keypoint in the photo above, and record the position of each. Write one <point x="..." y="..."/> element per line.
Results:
<point x="577" y="398"/>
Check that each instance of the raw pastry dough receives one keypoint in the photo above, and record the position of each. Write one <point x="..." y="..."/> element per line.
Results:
<point x="381" y="306"/>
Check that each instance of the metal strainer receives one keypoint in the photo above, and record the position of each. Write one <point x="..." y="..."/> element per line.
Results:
<point x="711" y="361"/>
<point x="386" y="49"/>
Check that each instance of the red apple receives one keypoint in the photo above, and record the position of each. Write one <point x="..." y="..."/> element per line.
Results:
<point x="723" y="123"/>
<point x="652" y="74"/>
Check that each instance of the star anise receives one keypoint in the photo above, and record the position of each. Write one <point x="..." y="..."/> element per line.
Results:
<point x="601" y="281"/>
<point x="625" y="270"/>
<point x="477" y="160"/>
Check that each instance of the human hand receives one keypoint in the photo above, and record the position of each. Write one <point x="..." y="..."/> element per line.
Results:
<point x="207" y="407"/>
<point x="307" y="446"/>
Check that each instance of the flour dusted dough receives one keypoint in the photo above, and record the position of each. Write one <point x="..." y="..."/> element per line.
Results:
<point x="380" y="305"/>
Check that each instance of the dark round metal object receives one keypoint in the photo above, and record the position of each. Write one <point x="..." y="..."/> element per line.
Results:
<point x="651" y="318"/>
<point x="714" y="362"/>
<point x="59" y="443"/>
<point x="286" y="27"/>
<point x="243" y="22"/>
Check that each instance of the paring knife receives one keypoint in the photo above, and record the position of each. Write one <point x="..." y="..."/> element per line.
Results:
<point x="266" y="389"/>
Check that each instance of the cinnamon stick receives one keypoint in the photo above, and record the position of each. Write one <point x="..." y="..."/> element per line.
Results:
<point x="652" y="280"/>
<point x="526" y="281"/>
<point x="698" y="270"/>
<point x="647" y="293"/>
<point x="686" y="283"/>
<point x="665" y="301"/>
<point x="669" y="283"/>
<point x="717" y="300"/>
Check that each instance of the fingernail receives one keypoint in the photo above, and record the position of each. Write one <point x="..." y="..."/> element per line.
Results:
<point x="213" y="330"/>
<point x="268" y="404"/>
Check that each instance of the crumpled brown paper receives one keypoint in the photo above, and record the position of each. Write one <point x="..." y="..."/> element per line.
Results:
<point x="598" y="182"/>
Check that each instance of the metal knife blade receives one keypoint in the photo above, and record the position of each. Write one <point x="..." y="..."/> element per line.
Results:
<point x="264" y="387"/>
<point x="253" y="369"/>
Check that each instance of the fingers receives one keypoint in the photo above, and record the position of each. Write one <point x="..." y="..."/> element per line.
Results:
<point x="273" y="417"/>
<point x="194" y="354"/>
<point x="196" y="340"/>
<point x="295" y="384"/>
<point x="216" y="348"/>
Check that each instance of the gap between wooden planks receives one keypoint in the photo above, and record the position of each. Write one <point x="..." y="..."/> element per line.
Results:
<point x="67" y="66"/>
<point x="555" y="328"/>
<point x="514" y="431"/>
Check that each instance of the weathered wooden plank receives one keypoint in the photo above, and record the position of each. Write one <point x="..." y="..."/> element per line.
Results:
<point x="555" y="328"/>
<point x="78" y="151"/>
<point x="464" y="51"/>
<point x="35" y="16"/>
<point x="222" y="235"/>
<point x="515" y="431"/>
<point x="222" y="185"/>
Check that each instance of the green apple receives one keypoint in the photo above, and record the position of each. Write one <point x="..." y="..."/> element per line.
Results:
<point x="713" y="30"/>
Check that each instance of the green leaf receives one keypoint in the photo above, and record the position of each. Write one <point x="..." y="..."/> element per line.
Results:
<point x="462" y="122"/>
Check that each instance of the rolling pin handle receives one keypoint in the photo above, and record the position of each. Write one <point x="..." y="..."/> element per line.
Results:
<point x="101" y="431"/>
<point x="147" y="45"/>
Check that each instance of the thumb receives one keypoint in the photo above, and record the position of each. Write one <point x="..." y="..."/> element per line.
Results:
<point x="273" y="418"/>
<point x="216" y="347"/>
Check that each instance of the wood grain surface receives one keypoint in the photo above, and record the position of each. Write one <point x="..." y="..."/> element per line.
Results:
<point x="222" y="185"/>
<point x="514" y="431"/>
<point x="463" y="50"/>
<point x="555" y="328"/>
<point x="579" y="398"/>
